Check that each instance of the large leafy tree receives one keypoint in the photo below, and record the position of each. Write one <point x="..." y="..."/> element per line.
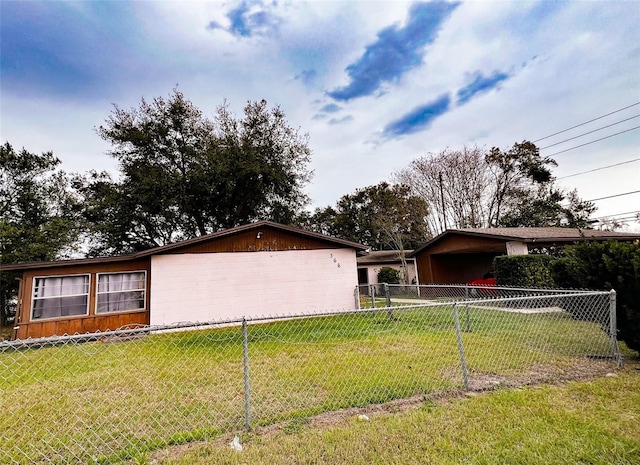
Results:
<point x="383" y="217"/>
<point x="473" y="188"/>
<point x="184" y="175"/>
<point x="38" y="214"/>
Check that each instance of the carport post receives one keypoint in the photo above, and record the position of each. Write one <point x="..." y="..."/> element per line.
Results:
<point x="613" y="327"/>
<point x="463" y="361"/>
<point x="245" y="351"/>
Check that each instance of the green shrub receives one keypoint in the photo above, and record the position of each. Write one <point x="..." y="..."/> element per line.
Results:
<point x="523" y="270"/>
<point x="605" y="266"/>
<point x="388" y="275"/>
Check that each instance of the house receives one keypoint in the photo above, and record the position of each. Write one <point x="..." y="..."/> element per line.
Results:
<point x="461" y="255"/>
<point x="258" y="269"/>
<point x="370" y="265"/>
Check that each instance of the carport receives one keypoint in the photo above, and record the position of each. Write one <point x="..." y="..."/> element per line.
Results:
<point x="461" y="255"/>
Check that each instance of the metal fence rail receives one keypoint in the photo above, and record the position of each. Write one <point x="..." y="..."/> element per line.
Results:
<point x="104" y="398"/>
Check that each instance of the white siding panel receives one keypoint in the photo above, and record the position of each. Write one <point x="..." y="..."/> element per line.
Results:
<point x="212" y="286"/>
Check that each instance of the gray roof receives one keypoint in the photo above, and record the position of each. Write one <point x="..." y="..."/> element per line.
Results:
<point x="382" y="256"/>
<point x="533" y="235"/>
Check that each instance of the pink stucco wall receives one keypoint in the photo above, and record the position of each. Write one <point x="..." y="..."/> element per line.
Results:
<point x="214" y="286"/>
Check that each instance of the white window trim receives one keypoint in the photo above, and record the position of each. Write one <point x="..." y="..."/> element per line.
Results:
<point x="144" y="292"/>
<point x="34" y="298"/>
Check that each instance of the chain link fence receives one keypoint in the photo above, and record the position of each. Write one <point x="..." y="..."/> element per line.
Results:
<point x="113" y="396"/>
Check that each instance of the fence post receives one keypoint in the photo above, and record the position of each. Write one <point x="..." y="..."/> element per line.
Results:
<point x="463" y="361"/>
<point x="247" y="398"/>
<point x="372" y="294"/>
<point x="356" y="296"/>
<point x="388" y="298"/>
<point x="613" y="327"/>
<point x="466" y="307"/>
<point x="387" y="295"/>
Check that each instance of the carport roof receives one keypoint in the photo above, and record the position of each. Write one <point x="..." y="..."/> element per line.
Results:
<point x="532" y="235"/>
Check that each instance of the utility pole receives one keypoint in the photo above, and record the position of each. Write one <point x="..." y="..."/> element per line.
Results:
<point x="444" y="214"/>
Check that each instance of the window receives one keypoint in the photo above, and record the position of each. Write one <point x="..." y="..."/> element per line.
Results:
<point x="119" y="292"/>
<point x="57" y="296"/>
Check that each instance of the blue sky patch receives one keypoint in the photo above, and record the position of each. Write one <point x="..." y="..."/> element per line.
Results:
<point x="418" y="119"/>
<point x="307" y="76"/>
<point x="396" y="51"/>
<point x="331" y="108"/>
<point x="250" y="18"/>
<point x="480" y="85"/>
<point x="53" y="48"/>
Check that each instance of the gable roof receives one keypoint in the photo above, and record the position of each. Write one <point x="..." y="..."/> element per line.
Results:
<point x="360" y="248"/>
<point x="533" y="235"/>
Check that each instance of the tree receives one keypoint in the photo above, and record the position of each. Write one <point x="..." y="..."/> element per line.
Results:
<point x="184" y="175"/>
<point x="454" y="185"/>
<point x="544" y="207"/>
<point x="380" y="216"/>
<point x="38" y="214"/>
<point x="471" y="188"/>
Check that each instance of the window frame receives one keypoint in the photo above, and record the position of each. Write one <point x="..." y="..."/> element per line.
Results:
<point x="65" y="317"/>
<point x="143" y="290"/>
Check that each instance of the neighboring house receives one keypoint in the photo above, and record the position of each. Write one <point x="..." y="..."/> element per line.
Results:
<point x="461" y="255"/>
<point x="370" y="265"/>
<point x="258" y="269"/>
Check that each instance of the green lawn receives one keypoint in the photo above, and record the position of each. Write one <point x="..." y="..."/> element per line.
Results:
<point x="593" y="422"/>
<point x="107" y="401"/>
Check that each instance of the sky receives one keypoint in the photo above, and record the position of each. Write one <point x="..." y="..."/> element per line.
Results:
<point x="375" y="84"/>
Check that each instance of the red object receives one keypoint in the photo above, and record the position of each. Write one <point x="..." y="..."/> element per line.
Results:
<point x="483" y="286"/>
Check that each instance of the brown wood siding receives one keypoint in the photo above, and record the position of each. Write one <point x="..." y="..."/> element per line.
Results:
<point x="81" y="325"/>
<point x="257" y="240"/>
<point x="423" y="264"/>
<point x="84" y="323"/>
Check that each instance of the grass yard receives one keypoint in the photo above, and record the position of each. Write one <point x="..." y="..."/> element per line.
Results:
<point x="595" y="422"/>
<point x="107" y="401"/>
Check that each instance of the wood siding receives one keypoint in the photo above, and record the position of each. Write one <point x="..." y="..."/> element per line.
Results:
<point x="257" y="240"/>
<point x="457" y="259"/>
<point x="84" y="323"/>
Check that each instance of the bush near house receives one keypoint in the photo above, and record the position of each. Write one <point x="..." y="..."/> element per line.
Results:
<point x="589" y="265"/>
<point x="523" y="270"/>
<point x="388" y="275"/>
<point x="605" y="266"/>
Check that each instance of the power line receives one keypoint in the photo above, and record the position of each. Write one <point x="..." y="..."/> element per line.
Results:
<point x="612" y="196"/>
<point x="586" y="122"/>
<point x="598" y="169"/>
<point x="593" y="141"/>
<point x="616" y="214"/>
<point x="622" y="218"/>
<point x="590" y="132"/>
